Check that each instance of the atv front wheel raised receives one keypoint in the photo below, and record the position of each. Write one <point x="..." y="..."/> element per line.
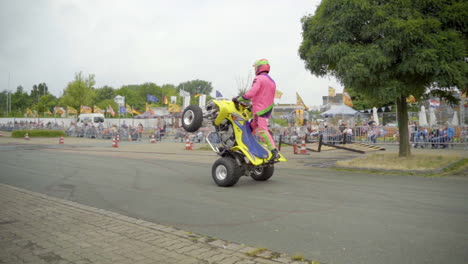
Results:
<point x="192" y="118"/>
<point x="262" y="173"/>
<point x="225" y="172"/>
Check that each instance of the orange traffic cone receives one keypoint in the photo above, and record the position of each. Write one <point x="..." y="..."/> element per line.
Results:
<point x="303" y="148"/>
<point x="61" y="140"/>
<point x="26" y="136"/>
<point x="295" y="149"/>
<point x="115" y="143"/>
<point x="129" y="137"/>
<point x="188" y="145"/>
<point x="118" y="138"/>
<point x="153" y="139"/>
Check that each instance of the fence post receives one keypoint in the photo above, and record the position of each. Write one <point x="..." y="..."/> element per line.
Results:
<point x="320" y="142"/>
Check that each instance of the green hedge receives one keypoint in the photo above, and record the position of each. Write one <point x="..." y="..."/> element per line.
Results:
<point x="38" y="133"/>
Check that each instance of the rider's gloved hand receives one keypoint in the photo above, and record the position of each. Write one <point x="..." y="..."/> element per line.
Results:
<point x="235" y="99"/>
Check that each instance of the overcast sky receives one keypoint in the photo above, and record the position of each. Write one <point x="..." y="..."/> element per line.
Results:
<point x="133" y="42"/>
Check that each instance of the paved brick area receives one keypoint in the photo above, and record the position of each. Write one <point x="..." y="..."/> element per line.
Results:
<point x="36" y="228"/>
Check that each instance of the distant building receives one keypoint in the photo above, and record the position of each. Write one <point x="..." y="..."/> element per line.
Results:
<point x="338" y="99"/>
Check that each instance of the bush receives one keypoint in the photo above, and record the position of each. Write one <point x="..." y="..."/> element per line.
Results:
<point x="37" y="133"/>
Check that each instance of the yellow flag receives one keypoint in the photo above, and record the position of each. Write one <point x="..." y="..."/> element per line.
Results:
<point x="278" y="94"/>
<point x="149" y="109"/>
<point x="411" y="99"/>
<point x="29" y="113"/>
<point x="86" y="109"/>
<point x="331" y="91"/>
<point x="59" y="110"/>
<point x="299" y="117"/>
<point x="97" y="109"/>
<point x="347" y="99"/>
<point x="71" y="110"/>
<point x="300" y="102"/>
<point x="128" y="109"/>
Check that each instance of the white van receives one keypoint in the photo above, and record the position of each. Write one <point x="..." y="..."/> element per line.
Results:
<point x="95" y="118"/>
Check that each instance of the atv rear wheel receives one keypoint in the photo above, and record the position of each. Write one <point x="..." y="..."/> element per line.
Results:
<point x="262" y="173"/>
<point x="225" y="172"/>
<point x="192" y="118"/>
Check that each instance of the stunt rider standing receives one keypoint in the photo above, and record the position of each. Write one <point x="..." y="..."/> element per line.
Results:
<point x="262" y="94"/>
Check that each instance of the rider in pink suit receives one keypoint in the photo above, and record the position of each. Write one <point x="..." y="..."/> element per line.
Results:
<point x="262" y="95"/>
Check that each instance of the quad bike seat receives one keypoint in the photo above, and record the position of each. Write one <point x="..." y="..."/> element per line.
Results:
<point x="249" y="140"/>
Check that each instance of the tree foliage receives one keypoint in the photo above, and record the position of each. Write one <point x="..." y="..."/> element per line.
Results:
<point x="20" y="99"/>
<point x="104" y="93"/>
<point x="39" y="90"/>
<point x="79" y="92"/>
<point x="389" y="49"/>
<point x="196" y="87"/>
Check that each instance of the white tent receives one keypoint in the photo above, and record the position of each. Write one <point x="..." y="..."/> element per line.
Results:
<point x="432" y="117"/>
<point x="376" y="117"/>
<point x="423" y="117"/>
<point x="337" y="110"/>
<point x="455" y="119"/>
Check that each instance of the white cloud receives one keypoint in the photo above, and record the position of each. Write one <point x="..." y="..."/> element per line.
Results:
<point x="124" y="42"/>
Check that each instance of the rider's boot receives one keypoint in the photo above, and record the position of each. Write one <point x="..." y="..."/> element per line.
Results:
<point x="274" y="155"/>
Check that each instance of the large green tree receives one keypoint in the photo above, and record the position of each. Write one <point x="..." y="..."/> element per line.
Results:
<point x="20" y="100"/>
<point x="196" y="87"/>
<point x="390" y="49"/>
<point x="104" y="93"/>
<point x="39" y="90"/>
<point x="79" y="92"/>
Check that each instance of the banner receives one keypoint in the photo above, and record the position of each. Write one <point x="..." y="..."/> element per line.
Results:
<point x="347" y="99"/>
<point x="278" y="94"/>
<point x="119" y="100"/>
<point x="202" y="100"/>
<point x="165" y="99"/>
<point x="218" y="94"/>
<point x="331" y="91"/>
<point x="300" y="102"/>
<point x="434" y="103"/>
<point x="173" y="99"/>
<point x="151" y="98"/>
<point x="186" y="101"/>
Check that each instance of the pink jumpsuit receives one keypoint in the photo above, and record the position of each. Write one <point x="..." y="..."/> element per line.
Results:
<point x="262" y="95"/>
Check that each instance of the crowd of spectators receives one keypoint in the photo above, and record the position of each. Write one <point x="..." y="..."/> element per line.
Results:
<point x="366" y="132"/>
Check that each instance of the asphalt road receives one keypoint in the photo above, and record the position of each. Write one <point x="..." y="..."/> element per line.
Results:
<point x="328" y="216"/>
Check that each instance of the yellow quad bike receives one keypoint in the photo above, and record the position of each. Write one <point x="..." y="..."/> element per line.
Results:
<point x="241" y="154"/>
